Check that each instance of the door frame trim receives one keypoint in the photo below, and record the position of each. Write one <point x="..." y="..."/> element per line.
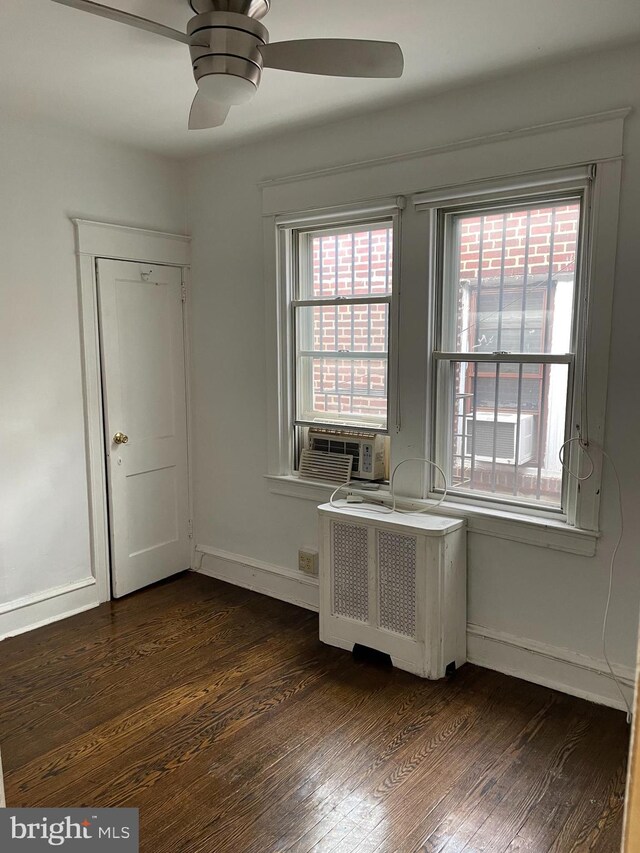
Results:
<point x="96" y="240"/>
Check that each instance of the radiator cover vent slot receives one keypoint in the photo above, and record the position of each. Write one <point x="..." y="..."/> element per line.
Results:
<point x="350" y="571"/>
<point x="397" y="582"/>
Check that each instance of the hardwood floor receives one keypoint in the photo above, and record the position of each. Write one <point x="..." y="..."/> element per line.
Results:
<point x="220" y="715"/>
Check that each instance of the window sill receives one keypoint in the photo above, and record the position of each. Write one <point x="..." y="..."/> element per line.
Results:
<point x="501" y="524"/>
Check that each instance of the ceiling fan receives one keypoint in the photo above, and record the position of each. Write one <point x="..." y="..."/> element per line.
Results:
<point x="230" y="48"/>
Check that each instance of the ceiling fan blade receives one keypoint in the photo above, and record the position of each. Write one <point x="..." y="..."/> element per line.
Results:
<point x="336" y="57"/>
<point x="125" y="18"/>
<point x="206" y="113"/>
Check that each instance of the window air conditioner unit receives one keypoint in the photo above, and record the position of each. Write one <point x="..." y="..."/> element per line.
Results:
<point x="483" y="433"/>
<point x="368" y="450"/>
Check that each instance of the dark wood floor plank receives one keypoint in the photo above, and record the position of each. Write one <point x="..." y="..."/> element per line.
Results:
<point x="330" y="796"/>
<point x="257" y="757"/>
<point x="101" y="700"/>
<point x="348" y="754"/>
<point x="423" y="806"/>
<point x="180" y="656"/>
<point x="594" y="822"/>
<point x="239" y="810"/>
<point x="563" y="785"/>
<point x="479" y="792"/>
<point x="219" y="714"/>
<point x="379" y="783"/>
<point x="174" y="717"/>
<point x="110" y="619"/>
<point x="518" y="793"/>
<point x="154" y="635"/>
<point x="340" y="790"/>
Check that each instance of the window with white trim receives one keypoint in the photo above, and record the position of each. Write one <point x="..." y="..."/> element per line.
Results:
<point x="506" y="345"/>
<point x="340" y="302"/>
<point x="496" y="313"/>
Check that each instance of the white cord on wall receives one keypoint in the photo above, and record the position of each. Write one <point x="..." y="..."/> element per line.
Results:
<point x="583" y="446"/>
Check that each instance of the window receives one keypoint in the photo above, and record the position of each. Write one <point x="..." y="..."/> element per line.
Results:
<point x="476" y="335"/>
<point x="507" y="348"/>
<point x="341" y="306"/>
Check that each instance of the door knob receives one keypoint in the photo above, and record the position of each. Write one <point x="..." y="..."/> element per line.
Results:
<point x="120" y="438"/>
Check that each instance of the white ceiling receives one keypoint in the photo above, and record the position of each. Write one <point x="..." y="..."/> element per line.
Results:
<point x="135" y="87"/>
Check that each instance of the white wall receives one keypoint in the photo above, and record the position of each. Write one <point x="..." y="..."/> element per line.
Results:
<point x="519" y="591"/>
<point x="47" y="175"/>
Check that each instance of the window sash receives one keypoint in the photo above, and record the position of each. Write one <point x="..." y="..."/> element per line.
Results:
<point x="345" y="355"/>
<point x="301" y="297"/>
<point x="507" y="357"/>
<point x="341" y="300"/>
<point x="444" y="416"/>
<point x="303" y="239"/>
<point x="446" y="253"/>
<point x="352" y="426"/>
<point x="444" y="360"/>
<point x="304" y="393"/>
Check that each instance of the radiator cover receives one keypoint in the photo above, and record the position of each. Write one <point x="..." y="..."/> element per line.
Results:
<point x="395" y="583"/>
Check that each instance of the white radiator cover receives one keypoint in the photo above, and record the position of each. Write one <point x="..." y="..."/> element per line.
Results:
<point x="396" y="583"/>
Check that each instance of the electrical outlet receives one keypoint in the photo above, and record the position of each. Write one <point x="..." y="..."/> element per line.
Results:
<point x="308" y="562"/>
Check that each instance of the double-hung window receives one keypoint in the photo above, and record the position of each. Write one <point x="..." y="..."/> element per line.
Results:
<point x="506" y="347"/>
<point x="341" y="304"/>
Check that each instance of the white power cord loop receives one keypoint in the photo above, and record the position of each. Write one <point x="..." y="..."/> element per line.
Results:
<point x="394" y="507"/>
<point x="429" y="507"/>
<point x="583" y="446"/>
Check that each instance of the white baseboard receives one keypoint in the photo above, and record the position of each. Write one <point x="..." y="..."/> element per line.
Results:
<point x="551" y="666"/>
<point x="285" y="584"/>
<point x="42" y="608"/>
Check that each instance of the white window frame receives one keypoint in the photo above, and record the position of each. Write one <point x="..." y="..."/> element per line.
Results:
<point x="287" y="232"/>
<point x="357" y="422"/>
<point x="428" y="178"/>
<point x="574" y="185"/>
<point x="598" y="186"/>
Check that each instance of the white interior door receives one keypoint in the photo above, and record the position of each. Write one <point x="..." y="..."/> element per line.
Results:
<point x="143" y="374"/>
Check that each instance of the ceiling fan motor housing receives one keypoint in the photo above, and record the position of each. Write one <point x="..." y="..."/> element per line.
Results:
<point x="252" y="8"/>
<point x="227" y="43"/>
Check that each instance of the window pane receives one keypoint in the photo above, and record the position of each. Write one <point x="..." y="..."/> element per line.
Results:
<point x="506" y="430"/>
<point x="337" y="391"/>
<point x="343" y="328"/>
<point x="346" y="262"/>
<point x="514" y="279"/>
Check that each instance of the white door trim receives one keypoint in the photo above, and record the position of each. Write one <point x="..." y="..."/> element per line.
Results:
<point x="3" y="802"/>
<point x="105" y="240"/>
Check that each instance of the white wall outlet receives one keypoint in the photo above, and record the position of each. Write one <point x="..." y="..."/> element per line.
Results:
<point x="308" y="561"/>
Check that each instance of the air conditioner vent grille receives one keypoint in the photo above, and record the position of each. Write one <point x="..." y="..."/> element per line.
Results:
<point x="350" y="571"/>
<point x="397" y="580"/>
<point x="488" y="438"/>
<point x="315" y="465"/>
<point x="486" y="433"/>
<point x="348" y="448"/>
